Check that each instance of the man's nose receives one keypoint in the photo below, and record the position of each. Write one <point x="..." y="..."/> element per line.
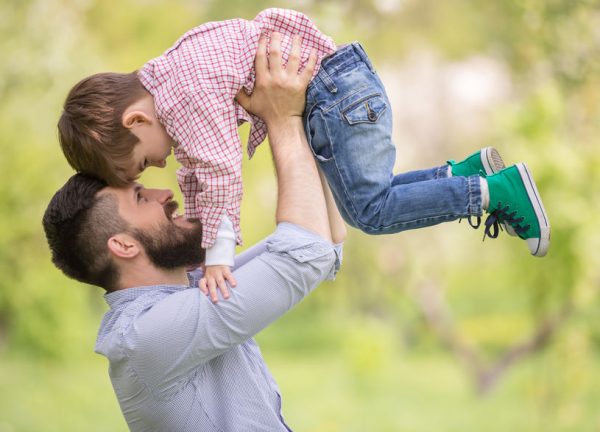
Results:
<point x="160" y="195"/>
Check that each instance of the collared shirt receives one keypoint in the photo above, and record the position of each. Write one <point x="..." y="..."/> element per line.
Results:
<point x="180" y="363"/>
<point x="194" y="84"/>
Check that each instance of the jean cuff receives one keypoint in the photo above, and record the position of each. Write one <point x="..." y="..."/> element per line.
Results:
<point x="474" y="193"/>
<point x="441" y="172"/>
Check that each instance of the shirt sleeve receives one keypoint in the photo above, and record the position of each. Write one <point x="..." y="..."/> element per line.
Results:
<point x="209" y="151"/>
<point x="186" y="329"/>
<point x="238" y="261"/>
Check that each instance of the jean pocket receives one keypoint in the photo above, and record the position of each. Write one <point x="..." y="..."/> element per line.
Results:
<point x="365" y="110"/>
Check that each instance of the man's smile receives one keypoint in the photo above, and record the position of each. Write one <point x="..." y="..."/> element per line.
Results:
<point x="170" y="209"/>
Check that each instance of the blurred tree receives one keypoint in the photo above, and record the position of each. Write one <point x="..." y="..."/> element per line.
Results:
<point x="495" y="292"/>
<point x="31" y="310"/>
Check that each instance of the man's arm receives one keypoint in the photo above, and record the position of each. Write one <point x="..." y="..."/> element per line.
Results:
<point x="300" y="199"/>
<point x="185" y="330"/>
<point x="336" y="222"/>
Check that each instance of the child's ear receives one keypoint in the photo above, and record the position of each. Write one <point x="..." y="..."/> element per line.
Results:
<point x="135" y="118"/>
<point x="123" y="246"/>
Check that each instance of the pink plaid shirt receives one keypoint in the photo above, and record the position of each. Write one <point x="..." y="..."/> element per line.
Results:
<point x="194" y="84"/>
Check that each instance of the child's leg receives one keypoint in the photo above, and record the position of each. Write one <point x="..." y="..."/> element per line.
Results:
<point x="486" y="161"/>
<point x="348" y="123"/>
<point x="420" y="175"/>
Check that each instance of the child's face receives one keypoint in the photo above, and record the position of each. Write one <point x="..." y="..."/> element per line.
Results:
<point x="152" y="150"/>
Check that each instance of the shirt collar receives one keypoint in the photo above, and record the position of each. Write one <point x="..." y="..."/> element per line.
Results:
<point x="116" y="298"/>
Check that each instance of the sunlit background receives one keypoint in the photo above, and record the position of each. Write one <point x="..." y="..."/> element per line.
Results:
<point x="430" y="330"/>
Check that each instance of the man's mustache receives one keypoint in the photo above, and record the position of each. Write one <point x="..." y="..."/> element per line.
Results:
<point x="170" y="208"/>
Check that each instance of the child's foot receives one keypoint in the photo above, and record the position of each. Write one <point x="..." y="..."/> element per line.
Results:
<point x="515" y="201"/>
<point x="486" y="160"/>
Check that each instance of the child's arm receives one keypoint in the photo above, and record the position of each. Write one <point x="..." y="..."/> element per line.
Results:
<point x="218" y="263"/>
<point x="211" y="183"/>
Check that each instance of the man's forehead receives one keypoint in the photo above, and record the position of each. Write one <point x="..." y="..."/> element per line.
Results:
<point x="121" y="191"/>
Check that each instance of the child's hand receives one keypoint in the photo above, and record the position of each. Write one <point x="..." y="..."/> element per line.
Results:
<point x="215" y="277"/>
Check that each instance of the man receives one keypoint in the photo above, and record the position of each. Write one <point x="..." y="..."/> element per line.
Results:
<point x="178" y="361"/>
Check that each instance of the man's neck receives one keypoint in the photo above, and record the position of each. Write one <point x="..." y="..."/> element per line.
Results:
<point x="150" y="275"/>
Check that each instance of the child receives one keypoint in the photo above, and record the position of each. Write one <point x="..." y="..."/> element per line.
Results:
<point x="116" y="125"/>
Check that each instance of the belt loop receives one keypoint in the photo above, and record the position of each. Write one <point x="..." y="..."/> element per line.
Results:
<point x="363" y="55"/>
<point x="326" y="79"/>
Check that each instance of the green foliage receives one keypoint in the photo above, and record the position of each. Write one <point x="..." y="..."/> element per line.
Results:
<point x="356" y="355"/>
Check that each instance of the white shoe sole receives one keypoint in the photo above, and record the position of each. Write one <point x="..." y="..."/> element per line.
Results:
<point x="537" y="246"/>
<point x="491" y="160"/>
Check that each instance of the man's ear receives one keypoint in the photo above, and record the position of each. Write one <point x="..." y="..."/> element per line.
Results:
<point x="123" y="246"/>
<point x="134" y="118"/>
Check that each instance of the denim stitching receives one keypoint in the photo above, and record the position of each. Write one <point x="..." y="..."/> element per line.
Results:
<point x="329" y="140"/>
<point x="474" y="207"/>
<point x="441" y="172"/>
<point x="361" y="100"/>
<point x="327" y="81"/>
<point x="359" y="50"/>
<point x="335" y="102"/>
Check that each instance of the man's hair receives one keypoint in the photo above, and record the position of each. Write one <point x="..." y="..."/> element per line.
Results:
<point x="90" y="129"/>
<point x="78" y="224"/>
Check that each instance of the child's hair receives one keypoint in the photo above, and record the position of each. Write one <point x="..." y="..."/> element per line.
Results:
<point x="90" y="128"/>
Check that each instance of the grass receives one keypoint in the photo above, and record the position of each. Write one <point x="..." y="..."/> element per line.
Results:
<point x="356" y="377"/>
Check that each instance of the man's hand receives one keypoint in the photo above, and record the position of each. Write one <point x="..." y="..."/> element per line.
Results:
<point x="279" y="97"/>
<point x="286" y="85"/>
<point x="217" y="277"/>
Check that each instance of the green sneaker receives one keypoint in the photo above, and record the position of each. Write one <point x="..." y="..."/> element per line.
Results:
<point x="486" y="160"/>
<point x="515" y="201"/>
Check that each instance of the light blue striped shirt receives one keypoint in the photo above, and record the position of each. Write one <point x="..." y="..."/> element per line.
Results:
<point x="180" y="363"/>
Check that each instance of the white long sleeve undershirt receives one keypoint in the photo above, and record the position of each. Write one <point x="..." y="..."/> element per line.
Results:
<point x="223" y="250"/>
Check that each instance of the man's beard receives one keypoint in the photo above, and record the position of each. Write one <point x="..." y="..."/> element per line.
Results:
<point x="172" y="246"/>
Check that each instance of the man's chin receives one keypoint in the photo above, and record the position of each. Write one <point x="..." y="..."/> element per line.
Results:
<point x="173" y="245"/>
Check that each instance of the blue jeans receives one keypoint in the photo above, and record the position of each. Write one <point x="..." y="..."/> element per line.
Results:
<point x="348" y="123"/>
